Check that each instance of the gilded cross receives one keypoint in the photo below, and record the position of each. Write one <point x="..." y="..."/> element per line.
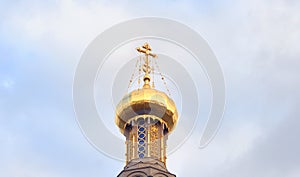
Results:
<point x="146" y="49"/>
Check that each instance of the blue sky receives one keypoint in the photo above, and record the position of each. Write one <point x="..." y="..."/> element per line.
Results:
<point x="255" y="41"/>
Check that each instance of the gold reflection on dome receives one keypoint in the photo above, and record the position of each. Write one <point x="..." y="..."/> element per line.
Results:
<point x="146" y="101"/>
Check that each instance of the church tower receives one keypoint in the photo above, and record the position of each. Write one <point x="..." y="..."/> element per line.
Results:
<point x="145" y="117"/>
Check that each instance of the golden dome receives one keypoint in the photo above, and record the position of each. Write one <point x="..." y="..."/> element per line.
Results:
<point x="146" y="101"/>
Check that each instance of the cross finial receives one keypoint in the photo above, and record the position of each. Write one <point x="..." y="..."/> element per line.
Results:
<point x="146" y="50"/>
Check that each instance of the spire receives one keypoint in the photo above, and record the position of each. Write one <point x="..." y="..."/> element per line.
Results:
<point x="146" y="49"/>
<point x="146" y="117"/>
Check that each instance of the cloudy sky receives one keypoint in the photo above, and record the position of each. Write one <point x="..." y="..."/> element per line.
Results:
<point x="256" y="43"/>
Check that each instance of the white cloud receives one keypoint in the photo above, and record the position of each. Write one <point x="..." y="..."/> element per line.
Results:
<point x="8" y="83"/>
<point x="255" y="41"/>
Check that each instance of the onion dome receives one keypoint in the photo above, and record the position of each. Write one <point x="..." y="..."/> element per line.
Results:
<point x="146" y="101"/>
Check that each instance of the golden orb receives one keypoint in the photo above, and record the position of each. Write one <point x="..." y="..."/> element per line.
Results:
<point x="148" y="102"/>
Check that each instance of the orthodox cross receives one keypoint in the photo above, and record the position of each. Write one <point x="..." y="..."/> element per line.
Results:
<point x="146" y="49"/>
